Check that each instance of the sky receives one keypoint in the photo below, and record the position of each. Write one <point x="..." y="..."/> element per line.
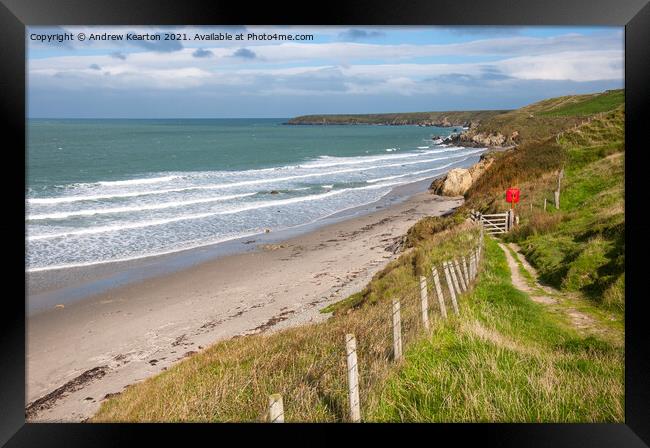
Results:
<point x="352" y="69"/>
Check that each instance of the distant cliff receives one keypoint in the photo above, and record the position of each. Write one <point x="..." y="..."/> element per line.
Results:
<point x="442" y="119"/>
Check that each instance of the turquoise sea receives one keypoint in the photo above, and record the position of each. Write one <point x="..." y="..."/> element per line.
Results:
<point x="108" y="190"/>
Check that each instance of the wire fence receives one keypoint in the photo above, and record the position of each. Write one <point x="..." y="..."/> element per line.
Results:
<point x="340" y="375"/>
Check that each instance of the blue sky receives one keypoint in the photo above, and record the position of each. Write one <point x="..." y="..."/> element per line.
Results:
<point x="342" y="70"/>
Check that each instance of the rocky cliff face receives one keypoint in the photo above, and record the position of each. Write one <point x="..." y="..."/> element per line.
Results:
<point x="459" y="180"/>
<point x="488" y="138"/>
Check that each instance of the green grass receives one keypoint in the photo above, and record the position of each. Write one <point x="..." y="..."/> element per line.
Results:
<point x="584" y="248"/>
<point x="507" y="360"/>
<point x="581" y="246"/>
<point x="603" y="102"/>
<point x="504" y="359"/>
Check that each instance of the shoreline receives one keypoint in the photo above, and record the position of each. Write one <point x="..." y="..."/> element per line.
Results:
<point x="81" y="353"/>
<point x="50" y="288"/>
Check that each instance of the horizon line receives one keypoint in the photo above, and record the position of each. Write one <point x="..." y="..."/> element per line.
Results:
<point x="264" y="118"/>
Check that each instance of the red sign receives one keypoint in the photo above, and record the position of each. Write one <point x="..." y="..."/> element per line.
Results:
<point x="512" y="195"/>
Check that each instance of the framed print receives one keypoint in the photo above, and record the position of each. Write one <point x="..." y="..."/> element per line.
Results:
<point x="368" y="216"/>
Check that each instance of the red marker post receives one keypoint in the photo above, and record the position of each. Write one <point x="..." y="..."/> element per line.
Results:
<point x="512" y="196"/>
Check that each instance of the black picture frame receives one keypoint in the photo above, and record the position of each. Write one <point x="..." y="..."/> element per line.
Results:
<point x="633" y="14"/>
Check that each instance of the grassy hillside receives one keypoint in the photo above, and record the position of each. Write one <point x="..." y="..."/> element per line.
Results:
<point x="544" y="119"/>
<point x="232" y="380"/>
<point x="581" y="246"/>
<point x="453" y="118"/>
<point x="508" y="359"/>
<point x="512" y="359"/>
<point x="585" y="105"/>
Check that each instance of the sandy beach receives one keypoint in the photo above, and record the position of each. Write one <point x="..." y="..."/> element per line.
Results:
<point x="80" y="353"/>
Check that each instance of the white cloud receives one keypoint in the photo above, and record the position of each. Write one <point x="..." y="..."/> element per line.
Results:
<point x="573" y="66"/>
<point x="338" y="67"/>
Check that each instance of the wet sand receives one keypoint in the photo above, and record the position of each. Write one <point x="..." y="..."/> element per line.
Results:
<point x="82" y="352"/>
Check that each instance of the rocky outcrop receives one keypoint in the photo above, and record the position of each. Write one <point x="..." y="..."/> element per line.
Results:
<point x="459" y="180"/>
<point x="489" y="139"/>
<point x="455" y="183"/>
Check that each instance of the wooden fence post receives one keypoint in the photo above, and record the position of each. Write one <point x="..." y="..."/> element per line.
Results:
<point x="451" y="282"/>
<point x="454" y="278"/>
<point x="471" y="266"/>
<point x="463" y="265"/>
<point x="441" y="298"/>
<point x="276" y="409"/>
<point x="353" y="377"/>
<point x="397" y="331"/>
<point x="424" y="302"/>
<point x="473" y="257"/>
<point x="556" y="193"/>
<point x="459" y="274"/>
<point x="544" y="204"/>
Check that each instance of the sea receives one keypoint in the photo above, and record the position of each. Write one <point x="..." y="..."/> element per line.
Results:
<point x="102" y="191"/>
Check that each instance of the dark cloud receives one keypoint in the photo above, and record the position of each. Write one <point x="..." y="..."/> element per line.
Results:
<point x="118" y="55"/>
<point x="324" y="80"/>
<point x="234" y="28"/>
<point x="358" y="34"/>
<point x="487" y="74"/>
<point x="94" y="67"/>
<point x="244" y="53"/>
<point x="483" y="30"/>
<point x="201" y="53"/>
<point x="492" y="73"/>
<point x="160" y="46"/>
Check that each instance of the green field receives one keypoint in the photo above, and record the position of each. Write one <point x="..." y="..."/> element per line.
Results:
<point x="590" y="105"/>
